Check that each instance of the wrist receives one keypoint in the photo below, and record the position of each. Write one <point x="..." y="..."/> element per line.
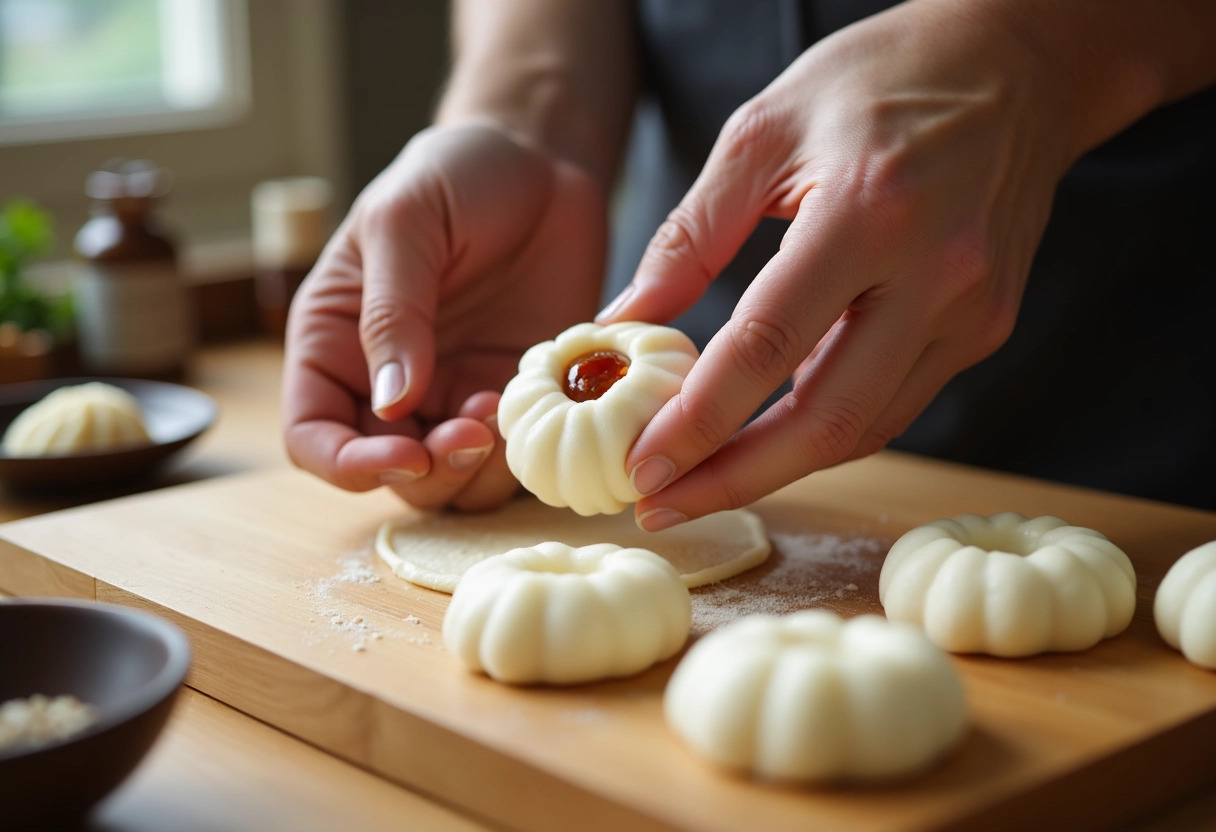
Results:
<point x="1099" y="67"/>
<point x="559" y="76"/>
<point x="1091" y="84"/>
<point x="533" y="101"/>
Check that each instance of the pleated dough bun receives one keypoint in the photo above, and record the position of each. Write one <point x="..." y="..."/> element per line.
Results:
<point x="559" y="615"/>
<point x="1185" y="606"/>
<point x="811" y="697"/>
<point x="1007" y="585"/>
<point x="572" y="453"/>
<point x="82" y="418"/>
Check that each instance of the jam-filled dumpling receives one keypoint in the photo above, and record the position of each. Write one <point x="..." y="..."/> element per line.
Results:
<point x="578" y="404"/>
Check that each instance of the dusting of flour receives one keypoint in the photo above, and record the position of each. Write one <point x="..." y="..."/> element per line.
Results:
<point x="354" y="570"/>
<point x="333" y="611"/>
<point x="805" y="571"/>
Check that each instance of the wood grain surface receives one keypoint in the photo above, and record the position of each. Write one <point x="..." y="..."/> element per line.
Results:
<point x="215" y="769"/>
<point x="295" y="623"/>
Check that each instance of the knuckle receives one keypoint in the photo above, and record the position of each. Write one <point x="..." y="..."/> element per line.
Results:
<point x="996" y="326"/>
<point x="676" y="241"/>
<point x="836" y="427"/>
<point x="676" y="234"/>
<point x="381" y="211"/>
<point x="765" y="350"/>
<point x="887" y="192"/>
<point x="749" y="128"/>
<point x="381" y="319"/>
<point x="965" y="268"/>
<point x="386" y="212"/>
<point x="705" y="425"/>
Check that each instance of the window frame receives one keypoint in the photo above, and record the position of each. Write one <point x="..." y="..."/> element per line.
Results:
<point x="232" y="103"/>
<point x="291" y="125"/>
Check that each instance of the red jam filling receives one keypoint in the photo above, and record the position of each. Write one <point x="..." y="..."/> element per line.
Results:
<point x="589" y="376"/>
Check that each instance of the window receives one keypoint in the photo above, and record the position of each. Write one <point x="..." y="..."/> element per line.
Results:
<point x="265" y="104"/>
<point x="78" y="68"/>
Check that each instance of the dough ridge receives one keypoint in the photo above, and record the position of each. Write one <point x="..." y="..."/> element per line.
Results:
<point x="1007" y="585"/>
<point x="811" y="697"/>
<point x="556" y="614"/>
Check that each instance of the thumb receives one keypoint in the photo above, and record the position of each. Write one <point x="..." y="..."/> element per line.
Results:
<point x="705" y="231"/>
<point x="403" y="255"/>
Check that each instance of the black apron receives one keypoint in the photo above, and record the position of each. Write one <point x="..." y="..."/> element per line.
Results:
<point x="1109" y="379"/>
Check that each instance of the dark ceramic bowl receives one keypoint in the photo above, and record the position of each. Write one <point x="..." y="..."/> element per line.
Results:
<point x="128" y="664"/>
<point x="174" y="415"/>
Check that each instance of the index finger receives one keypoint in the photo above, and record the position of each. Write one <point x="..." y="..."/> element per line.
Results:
<point x="788" y="308"/>
<point x="335" y="451"/>
<point x="325" y="384"/>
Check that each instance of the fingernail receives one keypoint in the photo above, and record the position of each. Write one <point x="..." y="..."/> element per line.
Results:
<point x="621" y="299"/>
<point x="389" y="386"/>
<point x="658" y="519"/>
<point x="467" y="458"/>
<point x="398" y="476"/>
<point x="652" y="474"/>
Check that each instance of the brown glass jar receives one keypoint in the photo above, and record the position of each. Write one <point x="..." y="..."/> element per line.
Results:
<point x="132" y="316"/>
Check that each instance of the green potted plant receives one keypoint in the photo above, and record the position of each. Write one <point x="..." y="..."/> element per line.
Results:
<point x="32" y="322"/>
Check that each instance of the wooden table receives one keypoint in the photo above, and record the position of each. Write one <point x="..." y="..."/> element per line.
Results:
<point x="216" y="768"/>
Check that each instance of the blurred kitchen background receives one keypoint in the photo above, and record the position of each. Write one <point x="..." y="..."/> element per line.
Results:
<point x="221" y="94"/>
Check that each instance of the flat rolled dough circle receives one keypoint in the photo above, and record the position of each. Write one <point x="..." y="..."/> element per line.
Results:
<point x="435" y="549"/>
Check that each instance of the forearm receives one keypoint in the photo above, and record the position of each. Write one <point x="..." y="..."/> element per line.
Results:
<point x="562" y="73"/>
<point x="1108" y="63"/>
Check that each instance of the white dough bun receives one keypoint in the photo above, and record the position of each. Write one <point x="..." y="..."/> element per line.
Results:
<point x="1185" y="606"/>
<point x="555" y="614"/>
<point x="572" y="453"/>
<point x="810" y="697"/>
<point x="76" y="419"/>
<point x="1008" y="585"/>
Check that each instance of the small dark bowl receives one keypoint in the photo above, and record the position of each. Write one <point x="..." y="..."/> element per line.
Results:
<point x="174" y="415"/>
<point x="127" y="664"/>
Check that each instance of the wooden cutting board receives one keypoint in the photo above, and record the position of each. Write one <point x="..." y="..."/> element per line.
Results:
<point x="295" y="622"/>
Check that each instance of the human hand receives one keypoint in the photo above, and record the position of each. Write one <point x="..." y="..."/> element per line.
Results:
<point x="916" y="154"/>
<point x="468" y="249"/>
